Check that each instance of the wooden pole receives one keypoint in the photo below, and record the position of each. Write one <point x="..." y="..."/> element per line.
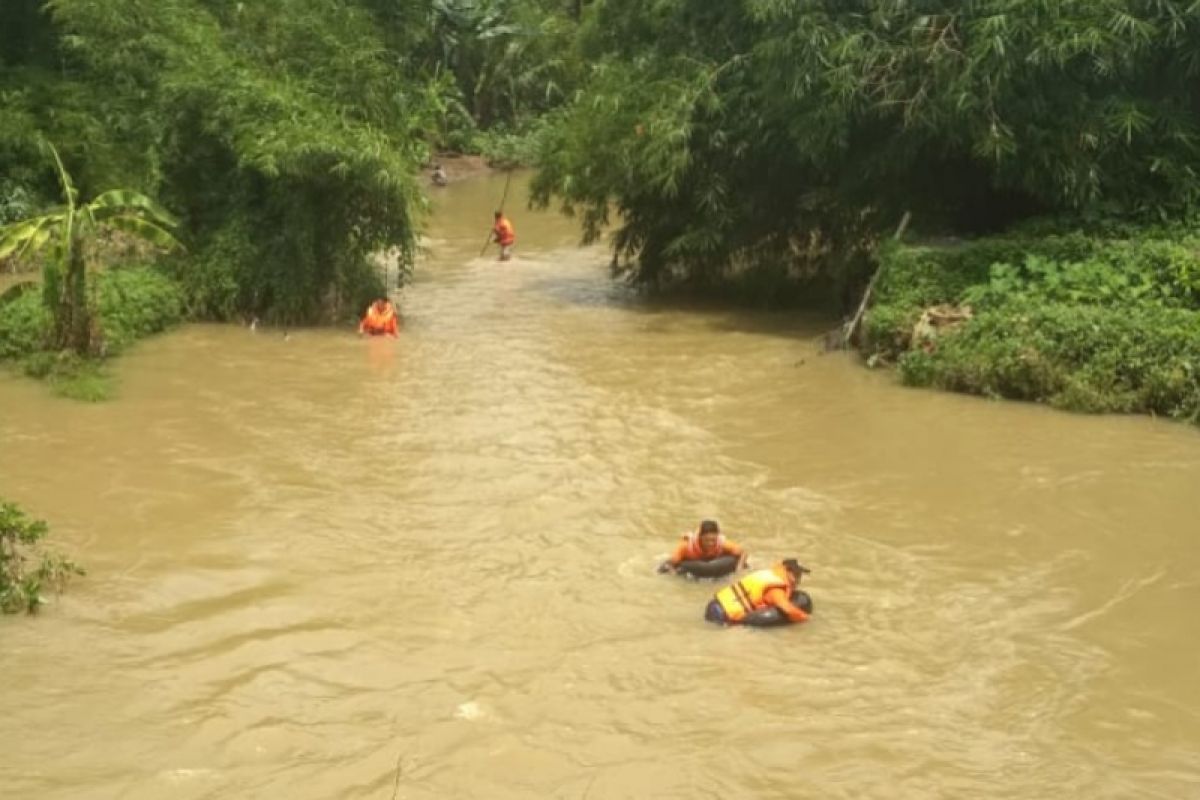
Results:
<point x="851" y="329"/>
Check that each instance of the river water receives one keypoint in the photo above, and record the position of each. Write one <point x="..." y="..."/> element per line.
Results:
<point x="322" y="567"/>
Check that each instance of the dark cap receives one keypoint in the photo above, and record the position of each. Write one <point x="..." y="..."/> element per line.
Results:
<point x="709" y="526"/>
<point x="795" y="567"/>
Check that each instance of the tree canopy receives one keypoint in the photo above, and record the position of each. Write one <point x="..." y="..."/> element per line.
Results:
<point x="287" y="135"/>
<point x="714" y="137"/>
<point x="734" y="134"/>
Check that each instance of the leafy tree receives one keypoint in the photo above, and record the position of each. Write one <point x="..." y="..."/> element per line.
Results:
<point x="291" y="167"/>
<point x="743" y="136"/>
<point x="71" y="234"/>
<point x="510" y="59"/>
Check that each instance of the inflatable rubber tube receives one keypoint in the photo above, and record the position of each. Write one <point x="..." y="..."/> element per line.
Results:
<point x="717" y="567"/>
<point x="770" y="617"/>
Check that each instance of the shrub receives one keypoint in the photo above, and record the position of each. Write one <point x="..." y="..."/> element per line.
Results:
<point x="25" y="325"/>
<point x="136" y="302"/>
<point x="25" y="569"/>
<point x="1083" y="358"/>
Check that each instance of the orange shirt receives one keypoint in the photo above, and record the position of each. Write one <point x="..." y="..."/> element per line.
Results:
<point x="505" y="233"/>
<point x="684" y="551"/>
<point x="377" y="321"/>
<point x="781" y="599"/>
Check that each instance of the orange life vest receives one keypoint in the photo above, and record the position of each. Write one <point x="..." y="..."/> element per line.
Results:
<point x="741" y="598"/>
<point x="694" y="552"/>
<point x="505" y="234"/>
<point x="380" y="321"/>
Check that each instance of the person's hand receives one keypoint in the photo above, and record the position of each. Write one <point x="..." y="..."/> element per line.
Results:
<point x="665" y="567"/>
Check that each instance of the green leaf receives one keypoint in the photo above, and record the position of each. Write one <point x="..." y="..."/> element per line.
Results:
<point x="144" y="229"/>
<point x="119" y="201"/>
<point x="26" y="236"/>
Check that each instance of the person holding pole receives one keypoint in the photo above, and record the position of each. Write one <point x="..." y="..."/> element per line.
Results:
<point x="504" y="234"/>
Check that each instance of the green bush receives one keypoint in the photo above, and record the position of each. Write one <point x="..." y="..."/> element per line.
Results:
<point x="1083" y="358"/>
<point x="1062" y="268"/>
<point x="1123" y="273"/>
<point x="507" y="147"/>
<point x="1080" y="322"/>
<point x="24" y="325"/>
<point x="927" y="275"/>
<point x="69" y="374"/>
<point x="212" y="281"/>
<point x="20" y="584"/>
<point x="135" y="302"/>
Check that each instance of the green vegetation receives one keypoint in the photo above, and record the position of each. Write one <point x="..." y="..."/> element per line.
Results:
<point x="774" y="143"/>
<point x="26" y="570"/>
<point x="1080" y="322"/>
<point x="788" y="134"/>
<point x="758" y="151"/>
<point x="287" y="135"/>
<point x="132" y="302"/>
<point x="71" y="234"/>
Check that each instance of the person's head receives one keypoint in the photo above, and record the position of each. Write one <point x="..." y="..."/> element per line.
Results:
<point x="381" y="303"/>
<point x="795" y="569"/>
<point x="709" y="533"/>
<point x="499" y="214"/>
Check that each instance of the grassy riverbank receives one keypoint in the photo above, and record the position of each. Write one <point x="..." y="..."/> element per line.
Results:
<point x="1086" y="323"/>
<point x="132" y="303"/>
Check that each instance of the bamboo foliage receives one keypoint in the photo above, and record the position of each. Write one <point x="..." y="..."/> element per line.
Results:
<point x="830" y="118"/>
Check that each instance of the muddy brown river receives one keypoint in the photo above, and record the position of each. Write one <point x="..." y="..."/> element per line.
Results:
<point x="322" y="567"/>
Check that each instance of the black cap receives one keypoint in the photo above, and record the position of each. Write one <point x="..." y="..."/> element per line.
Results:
<point x="709" y="526"/>
<point x="795" y="567"/>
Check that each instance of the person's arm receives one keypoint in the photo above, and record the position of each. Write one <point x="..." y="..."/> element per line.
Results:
<point x="732" y="548"/>
<point x="779" y="598"/>
<point x="673" y="562"/>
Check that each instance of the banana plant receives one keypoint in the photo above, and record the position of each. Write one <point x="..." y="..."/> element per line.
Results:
<point x="69" y="233"/>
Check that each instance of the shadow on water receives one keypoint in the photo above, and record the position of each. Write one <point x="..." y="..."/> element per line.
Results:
<point x="717" y="315"/>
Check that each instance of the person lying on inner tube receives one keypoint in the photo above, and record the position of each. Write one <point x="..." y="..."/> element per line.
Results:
<point x="705" y="544"/>
<point x="764" y="588"/>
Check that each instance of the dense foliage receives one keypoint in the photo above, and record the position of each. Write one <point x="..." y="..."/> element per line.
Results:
<point x="728" y="136"/>
<point x="1080" y="322"/>
<point x="70" y="241"/>
<point x="732" y="145"/>
<point x="286" y="134"/>
<point x="131" y="302"/>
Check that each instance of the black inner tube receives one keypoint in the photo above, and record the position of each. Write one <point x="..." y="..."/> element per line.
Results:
<point x="772" y="616"/>
<point x="715" y="568"/>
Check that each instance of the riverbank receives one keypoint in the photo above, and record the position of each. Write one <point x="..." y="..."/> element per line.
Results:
<point x="1084" y="323"/>
<point x="131" y="303"/>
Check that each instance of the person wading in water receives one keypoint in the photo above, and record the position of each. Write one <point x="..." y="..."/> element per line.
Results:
<point x="504" y="234"/>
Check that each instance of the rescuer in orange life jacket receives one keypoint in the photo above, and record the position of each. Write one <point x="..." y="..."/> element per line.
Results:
<point x="758" y="591"/>
<point x="505" y="235"/>
<point x="705" y="544"/>
<point x="379" y="319"/>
